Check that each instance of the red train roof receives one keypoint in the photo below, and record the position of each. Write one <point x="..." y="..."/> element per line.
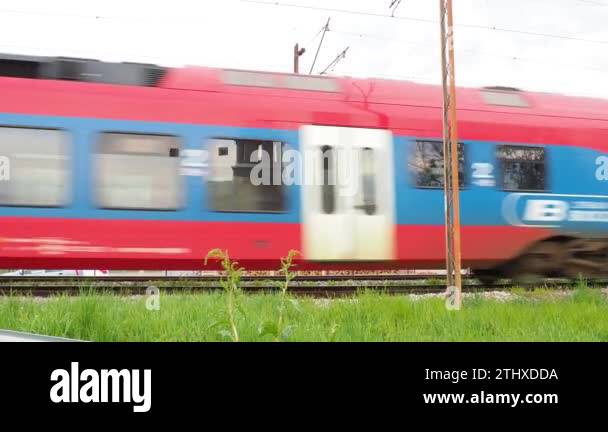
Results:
<point x="391" y="92"/>
<point x="285" y="101"/>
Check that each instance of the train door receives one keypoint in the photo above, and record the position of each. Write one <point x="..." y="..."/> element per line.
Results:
<point x="347" y="193"/>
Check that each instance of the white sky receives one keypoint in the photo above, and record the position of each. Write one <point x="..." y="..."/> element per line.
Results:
<point x="252" y="35"/>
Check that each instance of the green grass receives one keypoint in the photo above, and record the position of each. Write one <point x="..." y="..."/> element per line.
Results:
<point x="532" y="316"/>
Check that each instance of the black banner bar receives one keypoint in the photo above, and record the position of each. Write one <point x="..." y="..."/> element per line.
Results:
<point x="190" y="378"/>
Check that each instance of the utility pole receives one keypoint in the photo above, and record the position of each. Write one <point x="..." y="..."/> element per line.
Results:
<point x="450" y="159"/>
<point x="297" y="52"/>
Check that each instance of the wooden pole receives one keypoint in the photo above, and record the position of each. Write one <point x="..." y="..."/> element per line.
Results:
<point x="450" y="158"/>
<point x="297" y="52"/>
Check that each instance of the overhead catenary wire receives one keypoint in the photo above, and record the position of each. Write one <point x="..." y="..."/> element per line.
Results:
<point x="514" y="58"/>
<point x="335" y="10"/>
<point x="593" y="3"/>
<point x="537" y="60"/>
<point x="316" y="35"/>
<point x="325" y="30"/>
<point x="394" y="5"/>
<point x="422" y="20"/>
<point x="335" y="61"/>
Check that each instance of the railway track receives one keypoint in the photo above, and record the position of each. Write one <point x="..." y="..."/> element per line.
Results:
<point x="207" y="278"/>
<point x="320" y="286"/>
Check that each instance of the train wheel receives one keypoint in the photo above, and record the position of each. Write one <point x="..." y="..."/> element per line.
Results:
<point x="585" y="257"/>
<point x="487" y="276"/>
<point x="543" y="260"/>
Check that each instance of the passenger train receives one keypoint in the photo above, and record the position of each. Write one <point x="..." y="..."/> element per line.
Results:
<point x="135" y="166"/>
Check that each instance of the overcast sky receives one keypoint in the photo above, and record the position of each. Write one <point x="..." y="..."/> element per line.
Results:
<point x="571" y="57"/>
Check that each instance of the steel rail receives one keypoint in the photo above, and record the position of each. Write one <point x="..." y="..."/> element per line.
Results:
<point x="331" y="290"/>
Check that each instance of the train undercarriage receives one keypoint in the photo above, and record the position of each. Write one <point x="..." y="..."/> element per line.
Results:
<point x="565" y="257"/>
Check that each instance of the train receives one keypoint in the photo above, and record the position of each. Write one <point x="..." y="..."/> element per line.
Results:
<point x="136" y="166"/>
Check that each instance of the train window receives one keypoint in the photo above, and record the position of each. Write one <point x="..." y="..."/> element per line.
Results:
<point x="522" y="167"/>
<point x="245" y="176"/>
<point x="426" y="164"/>
<point x="136" y="171"/>
<point x="36" y="167"/>
<point x="368" y="182"/>
<point x="328" y="187"/>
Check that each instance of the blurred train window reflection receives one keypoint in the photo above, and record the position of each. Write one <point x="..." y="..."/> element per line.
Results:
<point x="522" y="167"/>
<point x="230" y="185"/>
<point x="135" y="171"/>
<point x="426" y="164"/>
<point x="38" y="167"/>
<point x="328" y="192"/>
